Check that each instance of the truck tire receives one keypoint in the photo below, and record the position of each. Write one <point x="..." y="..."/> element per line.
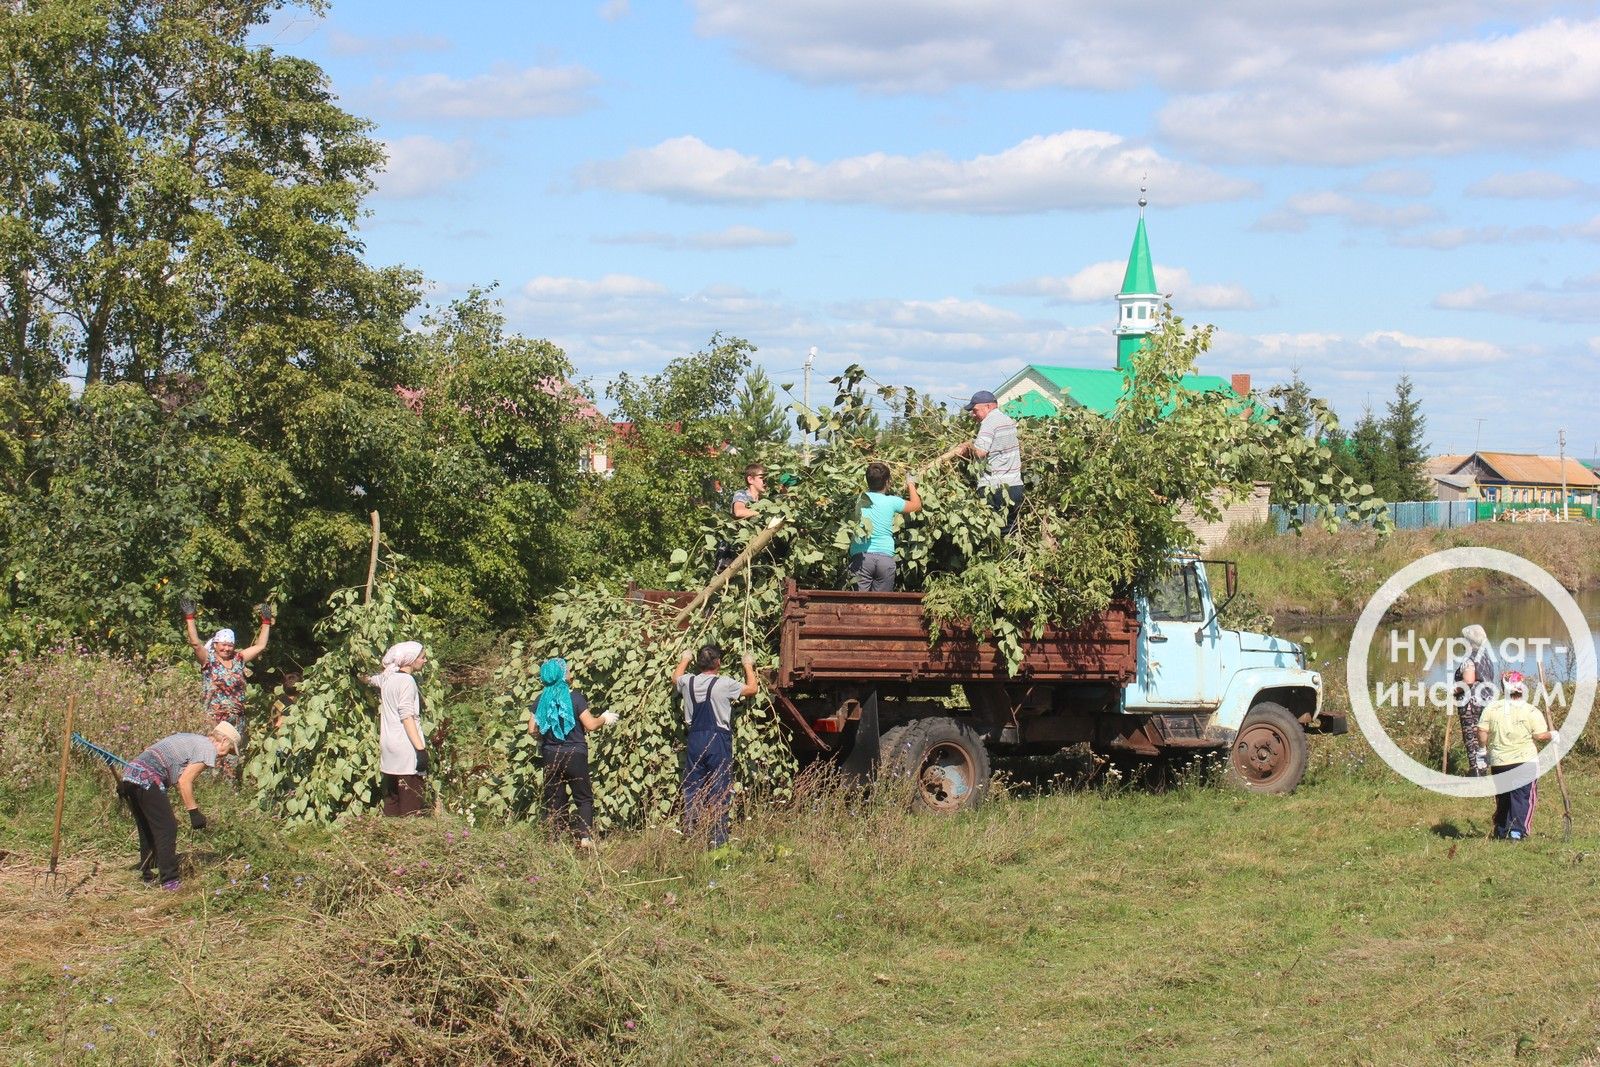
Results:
<point x="946" y="762"/>
<point x="1269" y="752"/>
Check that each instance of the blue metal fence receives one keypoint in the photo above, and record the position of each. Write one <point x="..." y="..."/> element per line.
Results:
<point x="1406" y="514"/>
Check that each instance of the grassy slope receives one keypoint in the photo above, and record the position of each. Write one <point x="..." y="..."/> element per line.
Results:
<point x="1340" y="925"/>
<point x="1323" y="574"/>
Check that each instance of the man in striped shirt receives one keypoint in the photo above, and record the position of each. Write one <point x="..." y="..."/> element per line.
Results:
<point x="997" y="445"/>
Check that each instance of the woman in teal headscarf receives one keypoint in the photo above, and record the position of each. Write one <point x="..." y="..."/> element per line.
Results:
<point x="561" y="718"/>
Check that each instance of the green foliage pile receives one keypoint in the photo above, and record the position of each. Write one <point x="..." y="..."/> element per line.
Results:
<point x="322" y="763"/>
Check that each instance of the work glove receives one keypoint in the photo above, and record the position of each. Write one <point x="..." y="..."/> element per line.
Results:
<point x="1555" y="738"/>
<point x="266" y="613"/>
<point x="187" y="607"/>
<point x="197" y="819"/>
<point x="609" y="718"/>
<point x="749" y="660"/>
<point x="422" y="761"/>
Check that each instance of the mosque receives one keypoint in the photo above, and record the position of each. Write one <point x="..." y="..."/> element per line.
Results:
<point x="1039" y="391"/>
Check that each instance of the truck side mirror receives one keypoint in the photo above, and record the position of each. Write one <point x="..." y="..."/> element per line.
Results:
<point x="1232" y="579"/>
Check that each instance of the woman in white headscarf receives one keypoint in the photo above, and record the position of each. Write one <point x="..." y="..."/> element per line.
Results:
<point x="1474" y="688"/>
<point x="404" y="752"/>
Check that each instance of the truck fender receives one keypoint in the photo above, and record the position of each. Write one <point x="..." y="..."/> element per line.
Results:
<point x="1295" y="688"/>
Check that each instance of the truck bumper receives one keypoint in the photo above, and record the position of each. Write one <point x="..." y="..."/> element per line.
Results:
<point x="1329" y="722"/>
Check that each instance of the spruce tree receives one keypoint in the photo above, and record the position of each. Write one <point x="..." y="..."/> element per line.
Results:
<point x="1403" y="429"/>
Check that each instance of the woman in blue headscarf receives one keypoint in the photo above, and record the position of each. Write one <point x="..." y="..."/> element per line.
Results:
<point x="561" y="718"/>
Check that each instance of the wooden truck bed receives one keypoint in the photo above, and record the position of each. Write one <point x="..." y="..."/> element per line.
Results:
<point x="865" y="638"/>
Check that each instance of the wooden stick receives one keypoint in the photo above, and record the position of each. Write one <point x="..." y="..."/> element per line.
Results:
<point x="372" y="561"/>
<point x="1444" y="761"/>
<point x="740" y="562"/>
<point x="1561" y="777"/>
<point x="61" y="783"/>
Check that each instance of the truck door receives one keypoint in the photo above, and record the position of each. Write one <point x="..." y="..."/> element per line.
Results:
<point x="1176" y="668"/>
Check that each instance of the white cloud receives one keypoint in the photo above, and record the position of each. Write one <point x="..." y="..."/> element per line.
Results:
<point x="1452" y="237"/>
<point x="613" y="10"/>
<point x="1533" y="185"/>
<point x="419" y="165"/>
<point x="502" y="93"/>
<point x="342" y="43"/>
<point x="1099" y="283"/>
<point x="610" y="287"/>
<point x="1396" y="181"/>
<point x="730" y="239"/>
<point x="935" y="45"/>
<point x="1074" y="169"/>
<point x="1328" y="203"/>
<point x="1539" y="87"/>
<point x="1575" y="300"/>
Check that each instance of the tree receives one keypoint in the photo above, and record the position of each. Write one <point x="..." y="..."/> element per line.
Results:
<point x="178" y="199"/>
<point x="758" y="417"/>
<point x="670" y="457"/>
<point x="1403" y="429"/>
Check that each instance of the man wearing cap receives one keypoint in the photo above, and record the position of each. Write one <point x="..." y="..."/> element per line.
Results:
<point x="997" y="444"/>
<point x="176" y="760"/>
<point x="1508" y="729"/>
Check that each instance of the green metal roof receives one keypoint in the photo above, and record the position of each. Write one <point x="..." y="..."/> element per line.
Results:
<point x="1031" y="405"/>
<point x="1099" y="390"/>
<point x="1141" y="275"/>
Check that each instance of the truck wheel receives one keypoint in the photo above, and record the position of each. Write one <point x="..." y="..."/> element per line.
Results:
<point x="1269" y="752"/>
<point x="947" y="763"/>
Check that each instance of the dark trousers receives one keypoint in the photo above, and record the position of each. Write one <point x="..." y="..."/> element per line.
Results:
<point x="708" y="783"/>
<point x="1469" y="715"/>
<point x="402" y="795"/>
<point x="1513" y="809"/>
<point x="1006" y="499"/>
<point x="873" y="572"/>
<point x="158" y="828"/>
<point x="566" y="771"/>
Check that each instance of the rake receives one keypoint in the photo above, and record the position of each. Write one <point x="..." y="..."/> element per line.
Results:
<point x="105" y="755"/>
<point x="51" y="877"/>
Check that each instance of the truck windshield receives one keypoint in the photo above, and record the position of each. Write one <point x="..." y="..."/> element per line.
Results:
<point x="1176" y="597"/>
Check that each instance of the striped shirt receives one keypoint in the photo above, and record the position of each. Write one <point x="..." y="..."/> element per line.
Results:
<point x="997" y="435"/>
<point x="165" y="760"/>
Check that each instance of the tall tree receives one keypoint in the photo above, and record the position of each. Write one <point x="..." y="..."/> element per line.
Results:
<point x="758" y="417"/>
<point x="1403" y="429"/>
<point x="176" y="196"/>
<point x="1373" y="458"/>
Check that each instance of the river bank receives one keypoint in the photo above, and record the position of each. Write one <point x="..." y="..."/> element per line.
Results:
<point x="1320" y="577"/>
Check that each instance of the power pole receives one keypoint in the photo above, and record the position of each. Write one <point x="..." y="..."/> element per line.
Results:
<point x="1478" y="441"/>
<point x="805" y="398"/>
<point x="1561" y="437"/>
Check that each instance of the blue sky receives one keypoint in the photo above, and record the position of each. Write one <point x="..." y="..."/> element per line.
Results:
<point x="944" y="190"/>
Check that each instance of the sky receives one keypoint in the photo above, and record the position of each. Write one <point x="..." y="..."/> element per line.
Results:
<point x="944" y="191"/>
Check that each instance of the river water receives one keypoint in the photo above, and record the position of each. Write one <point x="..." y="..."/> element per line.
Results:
<point x="1400" y="650"/>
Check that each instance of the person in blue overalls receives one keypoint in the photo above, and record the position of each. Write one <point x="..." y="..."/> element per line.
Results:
<point x="708" y="712"/>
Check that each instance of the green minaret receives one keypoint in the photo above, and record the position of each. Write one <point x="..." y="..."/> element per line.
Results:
<point x="1139" y="303"/>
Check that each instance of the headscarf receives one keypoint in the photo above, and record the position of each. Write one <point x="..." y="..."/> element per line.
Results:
<point x="1476" y="635"/>
<point x="403" y="654"/>
<point x="224" y="636"/>
<point x="553" y="713"/>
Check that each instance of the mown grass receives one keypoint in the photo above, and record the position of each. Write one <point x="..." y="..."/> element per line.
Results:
<point x="1318" y="574"/>
<point x="1358" y="921"/>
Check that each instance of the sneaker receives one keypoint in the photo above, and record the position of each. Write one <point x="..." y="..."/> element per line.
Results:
<point x="171" y="884"/>
<point x="1516" y="835"/>
<point x="585" y="843"/>
<point x="146" y="875"/>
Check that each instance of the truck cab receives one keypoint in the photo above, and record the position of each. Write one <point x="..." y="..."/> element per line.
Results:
<point x="1200" y="685"/>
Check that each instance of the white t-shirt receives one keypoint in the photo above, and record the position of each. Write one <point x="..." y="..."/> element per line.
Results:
<point x="401" y="701"/>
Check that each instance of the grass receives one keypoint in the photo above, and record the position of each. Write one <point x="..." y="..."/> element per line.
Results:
<point x="1359" y="921"/>
<point x="1323" y="575"/>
